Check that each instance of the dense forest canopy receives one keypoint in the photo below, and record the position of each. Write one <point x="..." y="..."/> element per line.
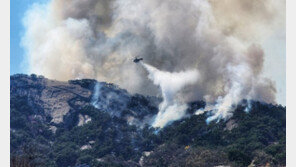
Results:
<point x="256" y="137"/>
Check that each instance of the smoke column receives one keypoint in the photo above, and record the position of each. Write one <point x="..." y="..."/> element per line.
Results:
<point x="171" y="108"/>
<point x="96" y="94"/>
<point x="99" y="38"/>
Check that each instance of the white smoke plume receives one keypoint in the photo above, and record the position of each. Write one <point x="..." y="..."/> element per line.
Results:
<point x="171" y="108"/>
<point x="105" y="98"/>
<point x="224" y="105"/>
<point x="95" y="97"/>
<point x="99" y="38"/>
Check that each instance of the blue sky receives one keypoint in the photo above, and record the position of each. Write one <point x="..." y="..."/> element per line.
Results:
<point x="274" y="47"/>
<point x="17" y="11"/>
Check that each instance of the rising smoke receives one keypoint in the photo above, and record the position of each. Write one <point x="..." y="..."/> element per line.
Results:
<point x="171" y="108"/>
<point x="99" y="38"/>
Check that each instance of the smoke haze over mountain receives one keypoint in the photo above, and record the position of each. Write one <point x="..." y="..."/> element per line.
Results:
<point x="99" y="38"/>
<point x="171" y="108"/>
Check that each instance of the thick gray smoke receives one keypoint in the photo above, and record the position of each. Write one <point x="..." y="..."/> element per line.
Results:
<point x="99" y="38"/>
<point x="171" y="108"/>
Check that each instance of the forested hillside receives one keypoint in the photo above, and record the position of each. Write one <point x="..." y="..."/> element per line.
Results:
<point x="56" y="123"/>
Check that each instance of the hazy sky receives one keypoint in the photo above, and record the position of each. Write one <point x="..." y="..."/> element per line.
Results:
<point x="17" y="11"/>
<point x="274" y="48"/>
<point x="275" y="62"/>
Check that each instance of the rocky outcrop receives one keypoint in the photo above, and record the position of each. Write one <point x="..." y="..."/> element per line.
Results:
<point x="61" y="101"/>
<point x="90" y="123"/>
<point x="54" y="98"/>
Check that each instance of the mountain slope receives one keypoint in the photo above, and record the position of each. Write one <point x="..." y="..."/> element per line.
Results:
<point x="86" y="123"/>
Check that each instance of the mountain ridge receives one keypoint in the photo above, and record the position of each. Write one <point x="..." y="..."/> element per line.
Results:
<point x="61" y="122"/>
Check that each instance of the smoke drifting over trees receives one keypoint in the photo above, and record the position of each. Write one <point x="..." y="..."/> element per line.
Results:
<point x="99" y="38"/>
<point x="171" y="108"/>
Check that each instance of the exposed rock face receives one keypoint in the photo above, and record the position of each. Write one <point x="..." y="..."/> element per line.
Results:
<point x="83" y="119"/>
<point x="85" y="147"/>
<point x="89" y="123"/>
<point x="55" y="98"/>
<point x="231" y="124"/>
<point x="60" y="100"/>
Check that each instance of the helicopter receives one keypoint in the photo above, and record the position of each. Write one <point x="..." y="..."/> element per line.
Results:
<point x="137" y="60"/>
